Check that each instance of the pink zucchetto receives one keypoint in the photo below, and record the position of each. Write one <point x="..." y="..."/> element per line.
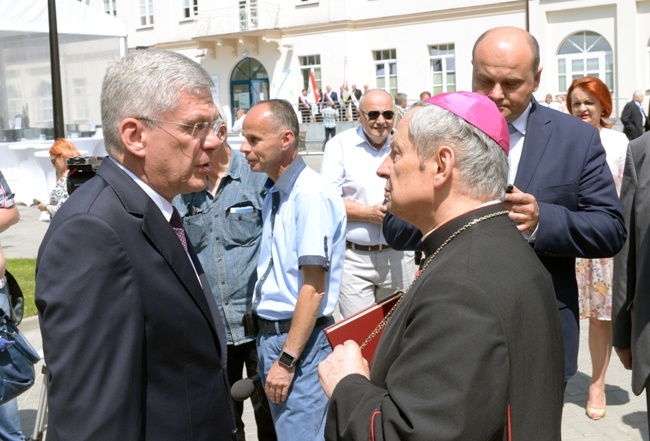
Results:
<point x="479" y="111"/>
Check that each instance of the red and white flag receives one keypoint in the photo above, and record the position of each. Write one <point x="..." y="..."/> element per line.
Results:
<point x="313" y="86"/>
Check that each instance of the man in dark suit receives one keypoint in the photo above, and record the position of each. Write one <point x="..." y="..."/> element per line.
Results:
<point x="355" y="96"/>
<point x="631" y="297"/>
<point x="635" y="121"/>
<point x="470" y="352"/>
<point x="563" y="198"/>
<point x="328" y="97"/>
<point x="132" y="336"/>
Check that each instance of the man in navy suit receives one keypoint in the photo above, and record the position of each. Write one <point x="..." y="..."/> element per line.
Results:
<point x="635" y="121"/>
<point x="133" y="340"/>
<point x="563" y="197"/>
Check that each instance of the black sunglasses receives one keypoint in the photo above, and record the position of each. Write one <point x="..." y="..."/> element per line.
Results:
<point x="374" y="114"/>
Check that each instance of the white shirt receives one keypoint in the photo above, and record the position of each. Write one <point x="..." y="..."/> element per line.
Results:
<point x="517" y="144"/>
<point x="237" y="125"/>
<point x="350" y="163"/>
<point x="514" y="157"/>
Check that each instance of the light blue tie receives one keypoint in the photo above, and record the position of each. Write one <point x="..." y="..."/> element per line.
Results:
<point x="512" y="129"/>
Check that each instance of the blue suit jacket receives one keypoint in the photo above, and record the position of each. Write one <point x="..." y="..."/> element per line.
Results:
<point x="563" y="165"/>
<point x="134" y="343"/>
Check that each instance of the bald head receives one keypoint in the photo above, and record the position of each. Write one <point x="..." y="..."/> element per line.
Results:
<point x="506" y="68"/>
<point x="508" y="36"/>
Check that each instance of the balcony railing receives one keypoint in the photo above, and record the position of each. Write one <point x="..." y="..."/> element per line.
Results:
<point x="254" y="16"/>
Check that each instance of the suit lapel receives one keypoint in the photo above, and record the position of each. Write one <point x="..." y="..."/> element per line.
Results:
<point x="162" y="236"/>
<point x="538" y="134"/>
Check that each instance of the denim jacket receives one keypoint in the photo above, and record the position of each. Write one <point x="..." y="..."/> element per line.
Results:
<point x="226" y="231"/>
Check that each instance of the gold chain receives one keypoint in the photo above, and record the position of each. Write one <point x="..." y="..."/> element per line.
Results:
<point x="382" y="324"/>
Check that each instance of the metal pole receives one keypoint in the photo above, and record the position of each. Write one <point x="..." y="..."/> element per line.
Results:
<point x="527" y="16"/>
<point x="57" y="98"/>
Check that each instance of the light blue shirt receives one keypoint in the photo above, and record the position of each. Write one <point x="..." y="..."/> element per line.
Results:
<point x="304" y="224"/>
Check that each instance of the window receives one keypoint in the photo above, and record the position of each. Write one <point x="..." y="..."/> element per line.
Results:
<point x="190" y="8"/>
<point x="80" y="109"/>
<point x="585" y="53"/>
<point x="146" y="12"/>
<point x="386" y="70"/>
<point x="307" y="63"/>
<point x="248" y="15"/>
<point x="648" y="58"/>
<point x="110" y="7"/>
<point x="443" y="68"/>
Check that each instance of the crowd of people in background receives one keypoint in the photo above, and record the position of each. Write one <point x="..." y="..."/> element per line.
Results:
<point x="493" y="218"/>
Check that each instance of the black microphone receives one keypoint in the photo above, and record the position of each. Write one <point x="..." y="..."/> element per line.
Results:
<point x="244" y="388"/>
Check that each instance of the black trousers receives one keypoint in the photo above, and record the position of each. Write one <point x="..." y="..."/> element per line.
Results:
<point x="245" y="355"/>
<point x="330" y="132"/>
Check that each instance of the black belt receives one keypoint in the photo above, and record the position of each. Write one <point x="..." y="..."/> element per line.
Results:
<point x="354" y="246"/>
<point x="283" y="326"/>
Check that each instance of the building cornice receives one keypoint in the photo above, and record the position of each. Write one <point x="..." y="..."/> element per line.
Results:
<point x="407" y="19"/>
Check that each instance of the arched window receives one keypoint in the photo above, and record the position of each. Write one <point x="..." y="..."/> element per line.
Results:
<point x="585" y="53"/>
<point x="249" y="84"/>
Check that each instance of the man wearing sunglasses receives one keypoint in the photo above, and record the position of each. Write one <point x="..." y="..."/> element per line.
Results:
<point x="372" y="270"/>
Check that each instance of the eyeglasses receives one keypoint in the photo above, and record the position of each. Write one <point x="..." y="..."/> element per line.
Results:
<point x="374" y="114"/>
<point x="199" y="130"/>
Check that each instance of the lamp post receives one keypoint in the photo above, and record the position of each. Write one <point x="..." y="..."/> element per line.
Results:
<point x="55" y="67"/>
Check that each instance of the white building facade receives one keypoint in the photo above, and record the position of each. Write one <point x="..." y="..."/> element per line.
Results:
<point x="261" y="49"/>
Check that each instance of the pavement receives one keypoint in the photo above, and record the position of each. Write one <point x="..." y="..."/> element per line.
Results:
<point x="626" y="413"/>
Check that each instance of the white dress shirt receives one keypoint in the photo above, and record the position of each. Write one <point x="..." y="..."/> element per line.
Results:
<point x="350" y="163"/>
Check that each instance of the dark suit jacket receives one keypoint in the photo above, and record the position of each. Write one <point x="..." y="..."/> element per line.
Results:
<point x="134" y="349"/>
<point x="563" y="165"/>
<point x="471" y="337"/>
<point x="631" y="298"/>
<point x="324" y="101"/>
<point x="633" y="121"/>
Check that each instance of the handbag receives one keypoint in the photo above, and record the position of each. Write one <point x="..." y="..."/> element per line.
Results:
<point x="16" y="299"/>
<point x="17" y="359"/>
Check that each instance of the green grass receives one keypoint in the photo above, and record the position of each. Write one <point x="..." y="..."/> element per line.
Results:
<point x="23" y="270"/>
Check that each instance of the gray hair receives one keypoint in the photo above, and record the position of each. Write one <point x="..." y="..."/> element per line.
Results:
<point x="146" y="84"/>
<point x="400" y="99"/>
<point x="284" y="117"/>
<point x="638" y="93"/>
<point x="221" y="114"/>
<point x="482" y="163"/>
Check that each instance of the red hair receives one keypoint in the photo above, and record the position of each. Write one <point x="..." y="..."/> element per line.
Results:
<point x="63" y="147"/>
<point x="599" y="90"/>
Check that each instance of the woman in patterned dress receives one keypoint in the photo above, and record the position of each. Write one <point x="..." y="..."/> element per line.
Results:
<point x="590" y="100"/>
<point x="61" y="150"/>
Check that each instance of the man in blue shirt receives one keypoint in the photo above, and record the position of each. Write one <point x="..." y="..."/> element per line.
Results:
<point x="299" y="271"/>
<point x="224" y="224"/>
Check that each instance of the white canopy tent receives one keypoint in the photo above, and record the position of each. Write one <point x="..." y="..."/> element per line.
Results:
<point x="88" y="41"/>
<point x="73" y="18"/>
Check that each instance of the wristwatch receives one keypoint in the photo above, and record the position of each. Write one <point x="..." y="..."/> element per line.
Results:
<point x="287" y="360"/>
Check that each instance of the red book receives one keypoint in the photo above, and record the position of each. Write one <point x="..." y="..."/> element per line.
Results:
<point x="360" y="325"/>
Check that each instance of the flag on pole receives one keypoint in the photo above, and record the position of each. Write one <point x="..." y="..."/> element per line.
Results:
<point x="313" y="86"/>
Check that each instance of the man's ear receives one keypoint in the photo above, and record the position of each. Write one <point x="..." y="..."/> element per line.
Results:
<point x="133" y="134"/>
<point x="287" y="139"/>
<point x="444" y="161"/>
<point x="223" y="132"/>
